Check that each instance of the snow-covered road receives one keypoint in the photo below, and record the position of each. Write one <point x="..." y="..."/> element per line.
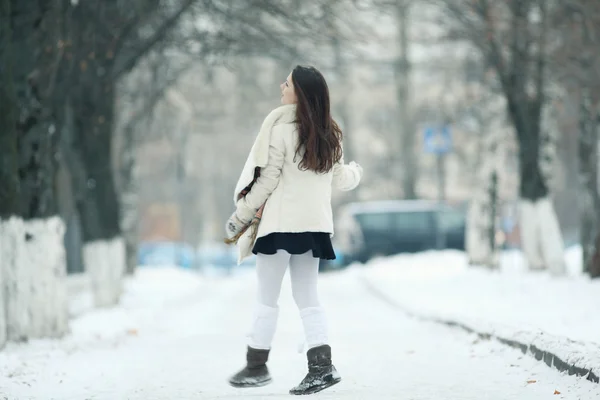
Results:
<point x="182" y="342"/>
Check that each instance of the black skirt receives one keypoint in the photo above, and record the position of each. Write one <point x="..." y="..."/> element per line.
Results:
<point x="296" y="243"/>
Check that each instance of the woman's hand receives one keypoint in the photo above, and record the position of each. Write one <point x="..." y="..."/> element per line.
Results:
<point x="234" y="225"/>
<point x="359" y="169"/>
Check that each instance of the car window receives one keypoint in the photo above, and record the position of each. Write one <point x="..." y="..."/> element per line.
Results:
<point x="375" y="221"/>
<point x="451" y="220"/>
<point x="417" y="222"/>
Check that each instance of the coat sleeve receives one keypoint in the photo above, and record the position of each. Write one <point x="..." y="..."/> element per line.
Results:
<point x="266" y="182"/>
<point x="346" y="176"/>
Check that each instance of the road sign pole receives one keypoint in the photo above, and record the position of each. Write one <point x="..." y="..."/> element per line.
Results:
<point x="441" y="175"/>
<point x="438" y="141"/>
<point x="441" y="178"/>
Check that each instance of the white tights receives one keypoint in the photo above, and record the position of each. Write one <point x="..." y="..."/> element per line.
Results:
<point x="304" y="272"/>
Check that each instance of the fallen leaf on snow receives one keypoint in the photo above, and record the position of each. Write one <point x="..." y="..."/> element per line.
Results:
<point x="531" y="381"/>
<point x="556" y="392"/>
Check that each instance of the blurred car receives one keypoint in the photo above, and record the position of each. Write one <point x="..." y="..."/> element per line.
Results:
<point x="166" y="253"/>
<point x="332" y="265"/>
<point x="383" y="228"/>
<point x="220" y="255"/>
<point x="215" y="254"/>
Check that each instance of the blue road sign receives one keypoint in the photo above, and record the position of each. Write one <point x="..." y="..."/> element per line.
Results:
<point x="437" y="140"/>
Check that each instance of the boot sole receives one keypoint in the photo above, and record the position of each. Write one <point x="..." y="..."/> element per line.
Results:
<point x="316" y="389"/>
<point x="251" y="385"/>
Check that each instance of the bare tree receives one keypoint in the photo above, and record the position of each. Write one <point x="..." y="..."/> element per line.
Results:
<point x="577" y="66"/>
<point x="404" y="157"/>
<point x="33" y="289"/>
<point x="406" y="151"/>
<point x="484" y="118"/>
<point x="512" y="37"/>
<point x="340" y="67"/>
<point x="139" y="94"/>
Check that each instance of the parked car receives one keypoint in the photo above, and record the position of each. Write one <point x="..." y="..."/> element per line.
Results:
<point x="221" y="256"/>
<point x="332" y="265"/>
<point x="383" y="228"/>
<point x="215" y="254"/>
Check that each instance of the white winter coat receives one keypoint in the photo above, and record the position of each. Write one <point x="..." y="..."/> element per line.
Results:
<point x="296" y="200"/>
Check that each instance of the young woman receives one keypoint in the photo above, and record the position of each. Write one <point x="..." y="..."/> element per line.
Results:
<point x="295" y="161"/>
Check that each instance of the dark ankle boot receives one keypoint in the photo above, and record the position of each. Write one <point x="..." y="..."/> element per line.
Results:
<point x="321" y="372"/>
<point x="255" y="373"/>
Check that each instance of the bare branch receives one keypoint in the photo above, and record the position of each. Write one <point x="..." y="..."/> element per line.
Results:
<point x="147" y="45"/>
<point x="541" y="59"/>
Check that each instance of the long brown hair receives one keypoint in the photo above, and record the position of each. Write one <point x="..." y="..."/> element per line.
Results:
<point x="320" y="143"/>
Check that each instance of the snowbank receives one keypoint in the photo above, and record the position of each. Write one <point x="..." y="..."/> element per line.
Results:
<point x="145" y="294"/>
<point x="33" y="270"/>
<point x="149" y="299"/>
<point x="79" y="292"/>
<point x="555" y="315"/>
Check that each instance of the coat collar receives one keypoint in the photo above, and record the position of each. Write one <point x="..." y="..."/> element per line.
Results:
<point x="284" y="114"/>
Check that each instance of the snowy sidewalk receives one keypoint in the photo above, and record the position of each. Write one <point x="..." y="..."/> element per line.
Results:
<point x="557" y="318"/>
<point x="178" y="335"/>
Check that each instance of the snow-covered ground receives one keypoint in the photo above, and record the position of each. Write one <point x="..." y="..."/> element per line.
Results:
<point x="533" y="307"/>
<point x="177" y="335"/>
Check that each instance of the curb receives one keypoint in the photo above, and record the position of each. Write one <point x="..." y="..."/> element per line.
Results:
<point x="549" y="358"/>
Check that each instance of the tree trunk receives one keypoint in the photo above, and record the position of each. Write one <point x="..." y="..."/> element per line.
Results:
<point x="68" y="212"/>
<point x="9" y="178"/>
<point x="477" y="245"/>
<point x="104" y="249"/>
<point x="589" y="126"/>
<point x="405" y="151"/>
<point x="34" y="277"/>
<point x="129" y="198"/>
<point x="31" y="233"/>
<point x="9" y="181"/>
<point x="481" y="216"/>
<point x="532" y="185"/>
<point x="342" y="108"/>
<point x="72" y="178"/>
<point x="594" y="266"/>
<point x="541" y="237"/>
<point x="36" y="292"/>
<point x="98" y="204"/>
